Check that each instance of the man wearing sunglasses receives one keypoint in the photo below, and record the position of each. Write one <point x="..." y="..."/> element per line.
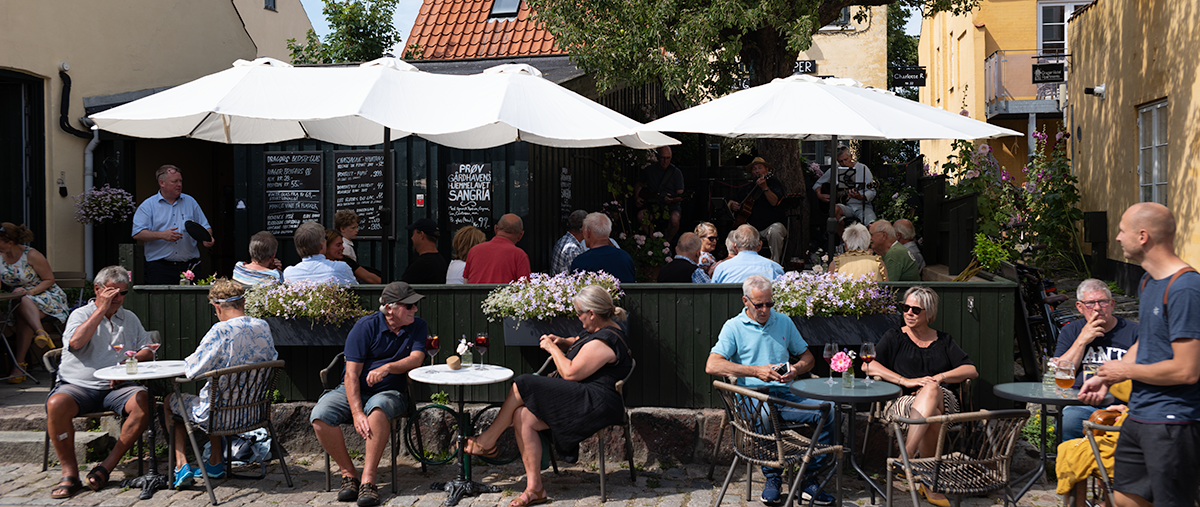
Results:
<point x="1098" y="337"/>
<point x="380" y="351"/>
<point x="751" y="347"/>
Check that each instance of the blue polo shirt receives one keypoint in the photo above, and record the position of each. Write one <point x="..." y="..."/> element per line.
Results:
<point x="156" y="214"/>
<point x="372" y="343"/>
<point x="744" y="341"/>
<point x="745" y="264"/>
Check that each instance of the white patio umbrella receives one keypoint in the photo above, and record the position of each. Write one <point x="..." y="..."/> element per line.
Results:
<point x="809" y="108"/>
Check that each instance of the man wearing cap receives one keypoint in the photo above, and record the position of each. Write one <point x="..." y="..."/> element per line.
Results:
<point x="499" y="260"/>
<point x="856" y="179"/>
<point x="159" y="222"/>
<point x="380" y="351"/>
<point x="429" y="266"/>
<point x="766" y="213"/>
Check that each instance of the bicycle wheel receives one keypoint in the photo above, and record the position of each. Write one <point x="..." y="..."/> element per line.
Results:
<point x="506" y="445"/>
<point x="431" y="434"/>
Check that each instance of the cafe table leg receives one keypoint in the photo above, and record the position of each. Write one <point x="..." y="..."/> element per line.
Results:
<point x="152" y="481"/>
<point x="463" y="485"/>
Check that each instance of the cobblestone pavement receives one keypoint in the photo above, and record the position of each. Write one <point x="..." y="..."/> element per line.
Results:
<point x="578" y="485"/>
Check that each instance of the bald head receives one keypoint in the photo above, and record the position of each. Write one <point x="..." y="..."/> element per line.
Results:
<point x="1147" y="235"/>
<point x="688" y="246"/>
<point x="1153" y="218"/>
<point x="511" y="227"/>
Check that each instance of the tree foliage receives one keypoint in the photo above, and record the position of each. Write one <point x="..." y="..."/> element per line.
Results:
<point x="362" y="31"/>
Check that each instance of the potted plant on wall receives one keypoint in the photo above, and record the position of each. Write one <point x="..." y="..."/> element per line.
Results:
<point x="835" y="307"/>
<point x="541" y="304"/>
<point x="306" y="313"/>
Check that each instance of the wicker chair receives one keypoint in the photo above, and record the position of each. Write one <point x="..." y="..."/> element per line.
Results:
<point x="239" y="401"/>
<point x="973" y="461"/>
<point x="547" y="369"/>
<point x="750" y="412"/>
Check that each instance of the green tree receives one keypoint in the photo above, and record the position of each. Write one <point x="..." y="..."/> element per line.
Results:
<point x="901" y="52"/>
<point x="362" y="31"/>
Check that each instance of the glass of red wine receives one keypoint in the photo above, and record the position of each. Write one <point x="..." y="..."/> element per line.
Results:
<point x="868" y="355"/>
<point x="432" y="346"/>
<point x="154" y="349"/>
<point x="481" y="344"/>
<point x="830" y="350"/>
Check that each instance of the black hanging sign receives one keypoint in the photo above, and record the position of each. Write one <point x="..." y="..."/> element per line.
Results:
<point x="907" y="76"/>
<point x="293" y="190"/>
<point x="361" y="187"/>
<point x="1049" y="73"/>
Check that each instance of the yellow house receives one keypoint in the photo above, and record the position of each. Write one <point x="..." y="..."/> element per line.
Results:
<point x="982" y="63"/>
<point x="64" y="59"/>
<point x="1135" y="114"/>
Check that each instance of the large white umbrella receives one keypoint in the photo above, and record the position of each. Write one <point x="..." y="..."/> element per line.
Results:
<point x="809" y="108"/>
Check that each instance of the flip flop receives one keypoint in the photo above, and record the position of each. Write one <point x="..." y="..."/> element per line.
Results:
<point x="530" y="497"/>
<point x="487" y="453"/>
<point x="97" y="478"/>
<point x="66" y="488"/>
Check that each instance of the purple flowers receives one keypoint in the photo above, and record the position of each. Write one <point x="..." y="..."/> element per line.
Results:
<point x="96" y="205"/>
<point x="541" y="296"/>
<point x="813" y="294"/>
<point x="327" y="303"/>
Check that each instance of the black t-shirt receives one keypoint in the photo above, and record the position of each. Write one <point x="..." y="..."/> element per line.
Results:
<point x="898" y="353"/>
<point x="354" y="265"/>
<point x="763" y="214"/>
<point x="427" y="268"/>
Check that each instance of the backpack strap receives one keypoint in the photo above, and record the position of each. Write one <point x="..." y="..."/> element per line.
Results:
<point x="1173" y="278"/>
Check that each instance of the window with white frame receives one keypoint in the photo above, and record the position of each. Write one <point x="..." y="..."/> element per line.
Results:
<point x="842" y="22"/>
<point x="1152" y="152"/>
<point x="1052" y="25"/>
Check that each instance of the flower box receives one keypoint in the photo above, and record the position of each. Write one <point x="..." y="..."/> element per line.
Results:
<point x="527" y="333"/>
<point x="302" y="332"/>
<point x="845" y="330"/>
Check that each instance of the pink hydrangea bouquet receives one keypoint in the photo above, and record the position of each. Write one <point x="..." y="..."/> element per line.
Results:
<point x="842" y="361"/>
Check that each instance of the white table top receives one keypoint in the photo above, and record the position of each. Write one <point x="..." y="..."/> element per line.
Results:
<point x="147" y="370"/>
<point x="465" y="376"/>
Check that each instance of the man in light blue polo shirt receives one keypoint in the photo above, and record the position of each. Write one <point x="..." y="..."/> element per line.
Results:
<point x="314" y="267"/>
<point x="159" y="221"/>
<point x="747" y="262"/>
<point x="751" y="345"/>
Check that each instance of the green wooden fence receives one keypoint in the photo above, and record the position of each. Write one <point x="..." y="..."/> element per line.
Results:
<point x="672" y="329"/>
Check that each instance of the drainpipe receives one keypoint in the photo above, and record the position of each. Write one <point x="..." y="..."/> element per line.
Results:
<point x="89" y="172"/>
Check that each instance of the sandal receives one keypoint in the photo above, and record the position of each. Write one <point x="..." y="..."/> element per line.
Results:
<point x="490" y="452"/>
<point x="66" y="488"/>
<point x="530" y="497"/>
<point x="940" y="502"/>
<point x="42" y="339"/>
<point x="97" y="478"/>
<point x="18" y="380"/>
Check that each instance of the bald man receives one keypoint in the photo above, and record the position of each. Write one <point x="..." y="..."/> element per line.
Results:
<point x="499" y="260"/>
<point x="1158" y="454"/>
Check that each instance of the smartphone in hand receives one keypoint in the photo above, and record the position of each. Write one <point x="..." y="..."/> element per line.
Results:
<point x="783" y="368"/>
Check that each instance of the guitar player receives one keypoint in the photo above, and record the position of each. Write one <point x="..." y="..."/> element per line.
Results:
<point x="759" y="206"/>
<point x="858" y="195"/>
<point x="661" y="182"/>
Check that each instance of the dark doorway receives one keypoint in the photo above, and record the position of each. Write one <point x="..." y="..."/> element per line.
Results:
<point x="23" y="154"/>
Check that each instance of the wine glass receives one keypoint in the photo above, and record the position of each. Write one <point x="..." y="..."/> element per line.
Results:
<point x="117" y="347"/>
<point x="154" y="349"/>
<point x="432" y="346"/>
<point x="830" y="350"/>
<point x="868" y="355"/>
<point x="481" y="344"/>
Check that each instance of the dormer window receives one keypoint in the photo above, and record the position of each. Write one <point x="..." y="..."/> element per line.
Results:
<point x="505" y="9"/>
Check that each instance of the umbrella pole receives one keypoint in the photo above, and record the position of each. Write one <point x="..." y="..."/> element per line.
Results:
<point x="388" y="212"/>
<point x="831" y="222"/>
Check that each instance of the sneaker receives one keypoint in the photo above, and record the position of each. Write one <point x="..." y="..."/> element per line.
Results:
<point x="368" y="495"/>
<point x="214" y="471"/>
<point x="771" y="490"/>
<point x="811" y="489"/>
<point x="348" y="492"/>
<point x="183" y="476"/>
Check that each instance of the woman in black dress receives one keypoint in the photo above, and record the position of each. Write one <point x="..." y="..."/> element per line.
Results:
<point x="922" y="361"/>
<point x="573" y="407"/>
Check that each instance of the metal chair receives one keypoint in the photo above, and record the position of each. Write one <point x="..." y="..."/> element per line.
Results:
<point x="750" y="413"/>
<point x="331" y="377"/>
<point x="547" y="369"/>
<point x="239" y="401"/>
<point x="970" y="462"/>
<point x="965" y="404"/>
<point x="51" y="360"/>
<point x="1102" y="473"/>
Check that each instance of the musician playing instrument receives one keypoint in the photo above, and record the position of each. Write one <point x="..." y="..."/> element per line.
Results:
<point x="855" y="179"/>
<point x="760" y="206"/>
<point x="661" y="182"/>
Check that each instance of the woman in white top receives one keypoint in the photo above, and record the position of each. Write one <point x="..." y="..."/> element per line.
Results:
<point x="464" y="240"/>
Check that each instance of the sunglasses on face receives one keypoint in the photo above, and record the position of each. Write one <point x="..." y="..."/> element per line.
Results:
<point x="916" y="310"/>
<point x="760" y="306"/>
<point x="124" y="292"/>
<point x="711" y="238"/>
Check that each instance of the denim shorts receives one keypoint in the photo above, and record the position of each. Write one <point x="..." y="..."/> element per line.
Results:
<point x="98" y="400"/>
<point x="334" y="409"/>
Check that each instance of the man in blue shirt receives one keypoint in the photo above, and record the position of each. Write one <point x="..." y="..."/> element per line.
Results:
<point x="314" y="267"/>
<point x="601" y="254"/>
<point x="751" y="345"/>
<point x="159" y="221"/>
<point x="1158" y="455"/>
<point x="380" y="351"/>
<point x="747" y="262"/>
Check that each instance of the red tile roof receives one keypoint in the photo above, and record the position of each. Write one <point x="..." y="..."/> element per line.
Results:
<point x="454" y="29"/>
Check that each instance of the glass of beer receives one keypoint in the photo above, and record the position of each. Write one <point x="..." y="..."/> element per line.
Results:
<point x="1064" y="374"/>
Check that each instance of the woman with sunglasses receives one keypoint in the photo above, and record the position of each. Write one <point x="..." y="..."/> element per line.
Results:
<point x="922" y="361"/>
<point x="708" y="245"/>
<point x="27" y="272"/>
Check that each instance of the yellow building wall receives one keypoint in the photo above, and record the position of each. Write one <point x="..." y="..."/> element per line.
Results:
<point x="1143" y="51"/>
<point x="859" y="53"/>
<point x="111" y="47"/>
<point x="271" y="29"/>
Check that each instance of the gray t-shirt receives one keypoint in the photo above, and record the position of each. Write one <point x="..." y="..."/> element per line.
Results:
<point x="79" y="365"/>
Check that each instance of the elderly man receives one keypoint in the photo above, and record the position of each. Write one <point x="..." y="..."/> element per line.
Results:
<point x="429" y="266"/>
<point x="750" y="347"/>
<point x="906" y="234"/>
<point x="1158" y="455"/>
<point x="97" y="336"/>
<point x="685" y="268"/>
<point x="856" y="180"/>
<point x="601" y="255"/>
<point x="665" y="181"/>
<point x="900" y="264"/>
<point x="380" y="351"/>
<point x="765" y="200"/>
<point x="570" y="245"/>
<point x="314" y="267"/>
<point x="747" y="261"/>
<point x="499" y="260"/>
<point x="159" y="221"/>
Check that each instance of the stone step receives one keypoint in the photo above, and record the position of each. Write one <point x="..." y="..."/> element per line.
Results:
<point x="26" y="446"/>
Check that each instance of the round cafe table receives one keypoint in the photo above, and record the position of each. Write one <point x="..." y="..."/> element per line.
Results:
<point x="475" y="375"/>
<point x="147" y="370"/>
<point x="1036" y="392"/>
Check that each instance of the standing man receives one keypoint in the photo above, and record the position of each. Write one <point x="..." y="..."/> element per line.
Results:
<point x="499" y="260"/>
<point x="666" y="182"/>
<point x="570" y="245"/>
<point x="430" y="266"/>
<point x="900" y="264"/>
<point x="856" y="179"/>
<point x="751" y="345"/>
<point x="380" y="351"/>
<point x="685" y="268"/>
<point x="1158" y="455"/>
<point x="766" y="214"/>
<point x="159" y="221"/>
<point x="747" y="242"/>
<point x="906" y="234"/>
<point x="601" y="255"/>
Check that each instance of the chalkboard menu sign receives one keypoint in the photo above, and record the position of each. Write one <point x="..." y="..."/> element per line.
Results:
<point x="564" y="188"/>
<point x="469" y="188"/>
<point x="361" y="187"/>
<point x="293" y="190"/>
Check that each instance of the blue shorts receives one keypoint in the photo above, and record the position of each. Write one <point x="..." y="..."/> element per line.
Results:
<point x="333" y="408"/>
<point x="98" y="400"/>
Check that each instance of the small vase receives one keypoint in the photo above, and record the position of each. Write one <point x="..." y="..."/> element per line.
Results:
<point x="848" y="378"/>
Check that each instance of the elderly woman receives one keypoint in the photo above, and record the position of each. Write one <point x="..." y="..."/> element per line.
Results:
<point x="464" y="240"/>
<point x="234" y="341"/>
<point x="575" y="406"/>
<point x="335" y="250"/>
<point x="708" y="243"/>
<point x="28" y="272"/>
<point x="730" y="247"/>
<point x="922" y="361"/>
<point x="263" y="266"/>
<point x="859" y="260"/>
